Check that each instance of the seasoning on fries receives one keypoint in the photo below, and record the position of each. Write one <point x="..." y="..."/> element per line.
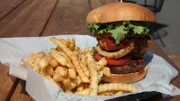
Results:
<point x="75" y="70"/>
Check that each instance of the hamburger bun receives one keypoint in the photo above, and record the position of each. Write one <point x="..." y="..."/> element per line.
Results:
<point x="120" y="12"/>
<point x="126" y="78"/>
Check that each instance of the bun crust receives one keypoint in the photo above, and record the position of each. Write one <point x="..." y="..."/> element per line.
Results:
<point x="120" y="12"/>
<point x="126" y="78"/>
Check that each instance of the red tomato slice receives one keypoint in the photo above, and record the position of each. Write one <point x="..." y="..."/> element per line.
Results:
<point x="120" y="61"/>
<point x="109" y="44"/>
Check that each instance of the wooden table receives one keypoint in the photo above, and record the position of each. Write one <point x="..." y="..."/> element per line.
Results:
<point x="25" y="18"/>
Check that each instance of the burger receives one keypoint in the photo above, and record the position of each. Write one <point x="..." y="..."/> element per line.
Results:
<point x="121" y="30"/>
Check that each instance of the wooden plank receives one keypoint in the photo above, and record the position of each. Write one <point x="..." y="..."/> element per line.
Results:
<point x="69" y="17"/>
<point x="175" y="57"/>
<point x="20" y="93"/>
<point x="96" y="3"/>
<point x="28" y="19"/>
<point x="7" y="83"/>
<point x="7" y="6"/>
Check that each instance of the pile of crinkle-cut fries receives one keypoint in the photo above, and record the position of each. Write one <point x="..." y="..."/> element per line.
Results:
<point x="75" y="70"/>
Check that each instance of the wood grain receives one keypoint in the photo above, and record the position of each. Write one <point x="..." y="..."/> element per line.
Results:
<point x="69" y="17"/>
<point x="28" y="19"/>
<point x="96" y="3"/>
<point x="7" y="6"/>
<point x="7" y="83"/>
<point x="175" y="57"/>
<point x="20" y="93"/>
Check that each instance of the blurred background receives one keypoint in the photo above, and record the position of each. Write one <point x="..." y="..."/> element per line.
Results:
<point x="166" y="32"/>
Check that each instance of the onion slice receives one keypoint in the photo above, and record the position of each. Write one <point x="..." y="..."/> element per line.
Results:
<point x="117" y="54"/>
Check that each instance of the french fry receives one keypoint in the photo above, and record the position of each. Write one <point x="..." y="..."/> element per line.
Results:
<point x="69" y="64"/>
<point x="72" y="73"/>
<point x="58" y="48"/>
<point x="72" y="45"/>
<point x="80" y="87"/>
<point x="119" y="92"/>
<point x="53" y="63"/>
<point x="75" y="70"/>
<point x="41" y="54"/>
<point x="44" y="62"/>
<point x="100" y="75"/>
<point x="85" y="50"/>
<point x="106" y="71"/>
<point x="107" y="93"/>
<point x="93" y="73"/>
<point x="115" y="87"/>
<point x="61" y="59"/>
<point x="67" y="42"/>
<point x="78" y="80"/>
<point x="66" y="83"/>
<point x="44" y="72"/>
<point x="61" y="71"/>
<point x="84" y="65"/>
<point x="100" y="64"/>
<point x="33" y="61"/>
<point x="57" y="77"/>
<point x="73" y="57"/>
<point x="50" y="70"/>
<point x="83" y="92"/>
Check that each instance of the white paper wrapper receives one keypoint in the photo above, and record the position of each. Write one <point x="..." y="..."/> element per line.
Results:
<point x="158" y="78"/>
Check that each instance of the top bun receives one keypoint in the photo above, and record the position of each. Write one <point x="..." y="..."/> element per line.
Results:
<point x="120" y="12"/>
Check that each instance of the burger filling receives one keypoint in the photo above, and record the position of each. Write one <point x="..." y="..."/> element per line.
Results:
<point x="123" y="44"/>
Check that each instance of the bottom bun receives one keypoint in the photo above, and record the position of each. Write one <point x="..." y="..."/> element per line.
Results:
<point x="126" y="78"/>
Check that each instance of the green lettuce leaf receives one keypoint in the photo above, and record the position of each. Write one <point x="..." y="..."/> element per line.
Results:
<point x="118" y="30"/>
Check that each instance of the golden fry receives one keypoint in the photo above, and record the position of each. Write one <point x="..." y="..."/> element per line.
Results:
<point x="106" y="71"/>
<point x="58" y="48"/>
<point x="53" y="63"/>
<point x="116" y="86"/>
<point x="72" y="44"/>
<point x="73" y="57"/>
<point x="41" y="54"/>
<point x="44" y="72"/>
<point x="69" y="64"/>
<point x="33" y="61"/>
<point x="75" y="70"/>
<point x="100" y="75"/>
<point x="100" y="64"/>
<point x="50" y="70"/>
<point x="67" y="42"/>
<point x="72" y="73"/>
<point x="66" y="83"/>
<point x="84" y="65"/>
<point x="85" y="50"/>
<point x="107" y="93"/>
<point x="57" y="77"/>
<point x="61" y="71"/>
<point x="44" y="62"/>
<point x="93" y="73"/>
<point x="80" y="87"/>
<point x="119" y="92"/>
<point x="60" y="58"/>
